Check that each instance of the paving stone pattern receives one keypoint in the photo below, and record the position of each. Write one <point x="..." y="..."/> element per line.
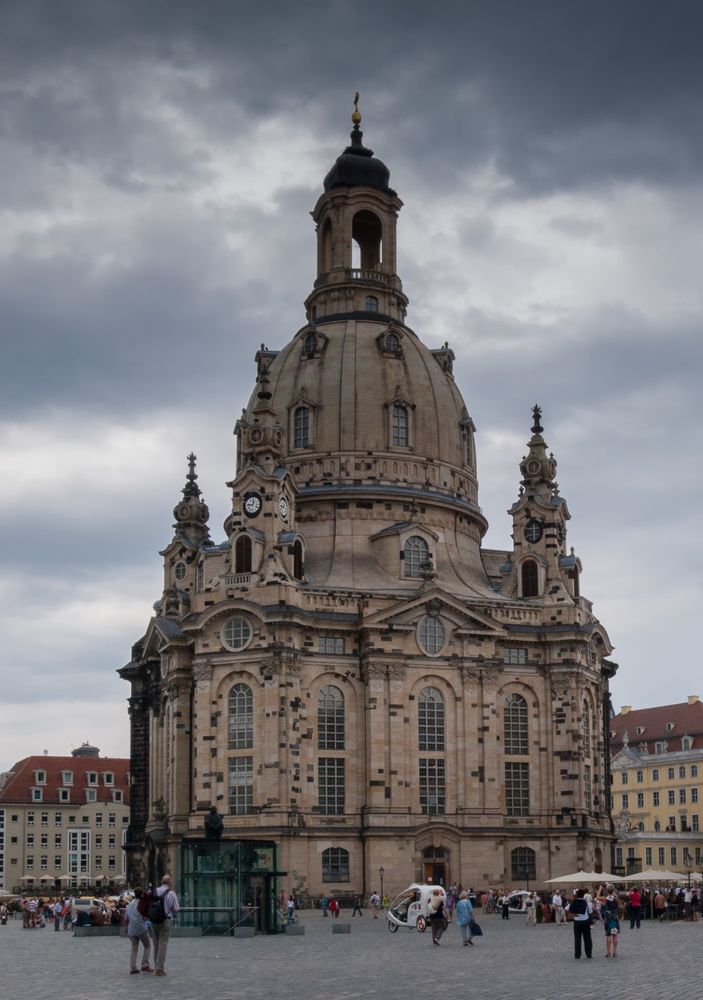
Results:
<point x="511" y="961"/>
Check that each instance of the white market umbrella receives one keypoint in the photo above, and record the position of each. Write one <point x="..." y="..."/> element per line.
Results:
<point x="652" y="875"/>
<point x="583" y="877"/>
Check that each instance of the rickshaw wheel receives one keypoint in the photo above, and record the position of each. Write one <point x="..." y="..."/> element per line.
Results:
<point x="392" y="927"/>
<point x="421" y="924"/>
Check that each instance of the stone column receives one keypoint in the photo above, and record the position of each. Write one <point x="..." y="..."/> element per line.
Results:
<point x="180" y="692"/>
<point x="395" y="762"/>
<point x="375" y="675"/>
<point x="203" y="740"/>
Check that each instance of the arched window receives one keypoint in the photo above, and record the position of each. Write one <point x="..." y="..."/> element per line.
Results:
<point x="586" y="730"/>
<point x="330" y="719"/>
<point x="430" y="717"/>
<point x="310" y="344"/>
<point x="301" y="427"/>
<point x="399" y="426"/>
<point x="530" y="584"/>
<point x="523" y="864"/>
<point x="515" y="725"/>
<point x="371" y="304"/>
<point x="335" y="865"/>
<point x="298" y="567"/>
<point x="392" y="343"/>
<point x="366" y="235"/>
<point x="240" y="718"/>
<point x="415" y="554"/>
<point x="242" y="554"/>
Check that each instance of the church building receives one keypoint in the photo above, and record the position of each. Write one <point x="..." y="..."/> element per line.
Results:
<point x="358" y="688"/>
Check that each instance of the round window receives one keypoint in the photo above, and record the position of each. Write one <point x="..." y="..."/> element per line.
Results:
<point x="430" y="635"/>
<point x="236" y="633"/>
<point x="181" y="570"/>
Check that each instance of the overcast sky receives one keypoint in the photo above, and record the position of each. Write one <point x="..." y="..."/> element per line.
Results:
<point x="159" y="162"/>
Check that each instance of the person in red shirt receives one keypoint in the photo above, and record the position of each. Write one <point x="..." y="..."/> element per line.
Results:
<point x="635" y="901"/>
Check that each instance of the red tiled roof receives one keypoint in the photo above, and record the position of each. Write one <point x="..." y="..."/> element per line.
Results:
<point x="21" y="779"/>
<point x="687" y="719"/>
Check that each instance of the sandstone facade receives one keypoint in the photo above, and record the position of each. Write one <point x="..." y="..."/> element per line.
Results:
<point x="349" y="675"/>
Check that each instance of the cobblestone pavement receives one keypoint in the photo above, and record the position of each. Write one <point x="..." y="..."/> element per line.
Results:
<point x="511" y="960"/>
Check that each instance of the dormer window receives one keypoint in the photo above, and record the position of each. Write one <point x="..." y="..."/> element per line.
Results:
<point x="91" y="795"/>
<point x="416" y="553"/>
<point x="242" y="554"/>
<point x="392" y="343"/>
<point x="640" y="730"/>
<point x="91" y="777"/>
<point x="686" y="743"/>
<point x="310" y="345"/>
<point x="109" y="778"/>
<point x="37" y="795"/>
<point x="40" y="777"/>
<point x="670" y="726"/>
<point x="530" y="578"/>
<point x="301" y="427"/>
<point x="660" y="747"/>
<point x="399" y="426"/>
<point x="67" y="777"/>
<point x="117" y="795"/>
<point x="371" y="304"/>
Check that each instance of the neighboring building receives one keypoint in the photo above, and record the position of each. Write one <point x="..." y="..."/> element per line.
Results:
<point x="657" y="786"/>
<point x="63" y="822"/>
<point x="349" y="677"/>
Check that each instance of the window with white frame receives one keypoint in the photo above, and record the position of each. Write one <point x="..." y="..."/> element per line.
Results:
<point x="330" y="718"/>
<point x="335" y="865"/>
<point x="301" y="427"/>
<point x="432" y="786"/>
<point x="330" y="785"/>
<point x="91" y="795"/>
<point x="430" y="717"/>
<point x="416" y="552"/>
<point x="515" y="655"/>
<point x="240" y="717"/>
<point x="517" y="788"/>
<point x="330" y="644"/>
<point x="431" y="635"/>
<point x="515" y="725"/>
<point x="400" y="429"/>
<point x="241" y="786"/>
<point x="67" y="777"/>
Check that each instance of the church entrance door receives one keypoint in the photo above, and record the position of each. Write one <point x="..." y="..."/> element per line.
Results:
<point x="434" y="865"/>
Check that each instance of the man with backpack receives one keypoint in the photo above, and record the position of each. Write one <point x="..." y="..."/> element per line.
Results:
<point x="163" y="907"/>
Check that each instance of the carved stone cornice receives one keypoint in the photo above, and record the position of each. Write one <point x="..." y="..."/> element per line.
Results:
<point x="179" y="687"/>
<point x="397" y="671"/>
<point x="279" y="661"/>
<point x="202" y="671"/>
<point x="480" y="670"/>
<point x="375" y="670"/>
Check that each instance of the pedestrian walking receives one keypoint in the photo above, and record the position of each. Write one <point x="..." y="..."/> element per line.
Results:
<point x="137" y="931"/>
<point x="290" y="910"/>
<point x="375" y="901"/>
<point x="357" y="907"/>
<point x="464" y="916"/>
<point x="579" y="909"/>
<point x="324" y="906"/>
<point x="558" y="904"/>
<point x="334" y="907"/>
<point x="436" y="915"/>
<point x="163" y="907"/>
<point x="635" y="900"/>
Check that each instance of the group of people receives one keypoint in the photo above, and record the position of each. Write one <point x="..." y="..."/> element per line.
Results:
<point x="149" y="918"/>
<point x="439" y="911"/>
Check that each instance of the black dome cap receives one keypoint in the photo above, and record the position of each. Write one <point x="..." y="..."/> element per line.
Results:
<point x="358" y="167"/>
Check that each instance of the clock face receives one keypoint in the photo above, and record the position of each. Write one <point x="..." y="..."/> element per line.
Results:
<point x="283" y="508"/>
<point x="533" y="467"/>
<point x="533" y="530"/>
<point x="252" y="504"/>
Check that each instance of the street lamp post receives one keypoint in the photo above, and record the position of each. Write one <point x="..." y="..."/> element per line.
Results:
<point x="381" y="873"/>
<point x="688" y="862"/>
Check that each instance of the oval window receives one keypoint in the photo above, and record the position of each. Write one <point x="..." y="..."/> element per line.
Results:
<point x="236" y="634"/>
<point x="430" y="635"/>
<point x="181" y="570"/>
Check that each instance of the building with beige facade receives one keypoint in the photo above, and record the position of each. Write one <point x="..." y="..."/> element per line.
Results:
<point x="656" y="787"/>
<point x="349" y="677"/>
<point x="63" y="822"/>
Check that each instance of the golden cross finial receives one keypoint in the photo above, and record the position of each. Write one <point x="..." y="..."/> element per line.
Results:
<point x="356" y="116"/>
